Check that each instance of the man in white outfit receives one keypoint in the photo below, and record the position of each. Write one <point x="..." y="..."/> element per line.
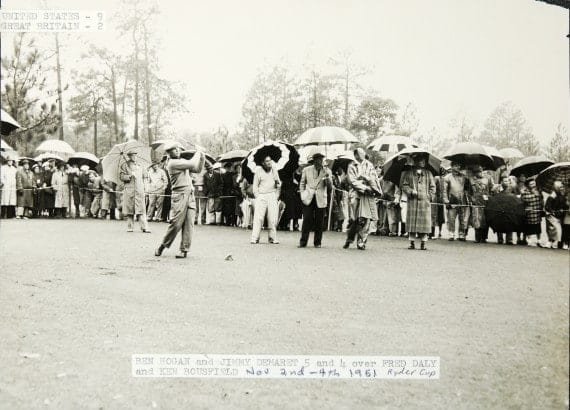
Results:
<point x="266" y="190"/>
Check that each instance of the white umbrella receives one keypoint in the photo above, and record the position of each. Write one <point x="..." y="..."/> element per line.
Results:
<point x="325" y="136"/>
<point x="4" y="146"/>
<point x="511" y="153"/>
<point x="8" y="124"/>
<point x="391" y="143"/>
<point x="58" y="147"/>
<point x="47" y="156"/>
<point x="118" y="155"/>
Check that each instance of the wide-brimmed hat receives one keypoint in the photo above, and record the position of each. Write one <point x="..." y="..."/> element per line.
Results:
<point x="170" y="145"/>
<point x="314" y="153"/>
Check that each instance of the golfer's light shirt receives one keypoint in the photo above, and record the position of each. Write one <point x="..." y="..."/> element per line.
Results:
<point x="264" y="182"/>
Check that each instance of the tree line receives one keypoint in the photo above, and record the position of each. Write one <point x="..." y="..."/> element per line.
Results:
<point x="112" y="92"/>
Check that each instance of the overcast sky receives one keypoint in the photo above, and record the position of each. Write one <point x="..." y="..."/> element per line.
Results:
<point x="445" y="56"/>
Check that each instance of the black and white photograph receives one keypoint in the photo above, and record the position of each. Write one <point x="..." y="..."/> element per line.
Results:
<point x="303" y="204"/>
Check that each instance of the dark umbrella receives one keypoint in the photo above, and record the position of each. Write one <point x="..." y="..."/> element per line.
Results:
<point x="9" y="124"/>
<point x="530" y="166"/>
<point x="505" y="213"/>
<point x="284" y="155"/>
<point x="470" y="153"/>
<point x="561" y="172"/>
<point x="83" y="158"/>
<point x="395" y="165"/>
<point x="342" y="161"/>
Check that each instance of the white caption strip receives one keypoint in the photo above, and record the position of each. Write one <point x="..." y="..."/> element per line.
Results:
<point x="52" y="21"/>
<point x="285" y="367"/>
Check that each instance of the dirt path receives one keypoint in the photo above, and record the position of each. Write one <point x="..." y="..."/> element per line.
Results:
<point x="79" y="297"/>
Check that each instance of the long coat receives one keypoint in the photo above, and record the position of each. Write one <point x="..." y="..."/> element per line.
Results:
<point x="8" y="175"/>
<point x="364" y="183"/>
<point x="25" y="186"/>
<point x="418" y="216"/>
<point x="133" y="193"/>
<point x="476" y="189"/>
<point x="48" y="195"/>
<point x="60" y="185"/>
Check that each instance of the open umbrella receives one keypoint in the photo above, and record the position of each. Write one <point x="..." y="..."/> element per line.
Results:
<point x="284" y="155"/>
<point x="55" y="146"/>
<point x="13" y="155"/>
<point x="511" y="153"/>
<point x="505" y="213"/>
<point x="9" y="124"/>
<point x="113" y="161"/>
<point x="235" y="155"/>
<point x="4" y="146"/>
<point x="325" y="136"/>
<point x="391" y="143"/>
<point x="530" y="166"/>
<point x="83" y="158"/>
<point x="470" y="153"/>
<point x="342" y="160"/>
<point x="498" y="158"/>
<point x="560" y="171"/>
<point x="395" y="165"/>
<point x="46" y="156"/>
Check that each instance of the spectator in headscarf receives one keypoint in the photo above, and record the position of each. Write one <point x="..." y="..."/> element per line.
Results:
<point x="533" y="209"/>
<point x="455" y="201"/>
<point x="364" y="186"/>
<point x="60" y="186"/>
<point x="419" y="185"/>
<point x="478" y="192"/>
<point x="25" y="190"/>
<point x="8" y="185"/>
<point x="131" y="174"/>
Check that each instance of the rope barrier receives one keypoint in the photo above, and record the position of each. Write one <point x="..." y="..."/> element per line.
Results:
<point x="235" y="196"/>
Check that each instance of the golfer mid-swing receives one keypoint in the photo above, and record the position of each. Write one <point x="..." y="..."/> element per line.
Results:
<point x="183" y="200"/>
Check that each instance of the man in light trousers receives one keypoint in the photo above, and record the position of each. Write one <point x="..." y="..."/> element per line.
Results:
<point x="266" y="189"/>
<point x="183" y="201"/>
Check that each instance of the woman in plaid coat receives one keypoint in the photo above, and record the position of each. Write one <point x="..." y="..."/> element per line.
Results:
<point x="532" y="200"/>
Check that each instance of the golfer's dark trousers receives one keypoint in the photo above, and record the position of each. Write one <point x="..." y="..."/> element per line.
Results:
<point x="312" y="220"/>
